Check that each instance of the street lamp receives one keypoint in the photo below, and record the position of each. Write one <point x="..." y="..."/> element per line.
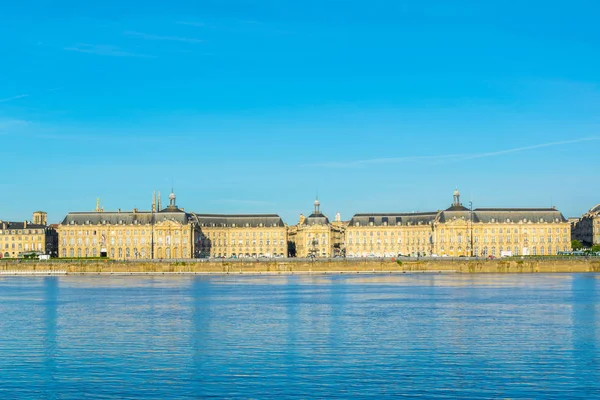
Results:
<point x="471" y="217"/>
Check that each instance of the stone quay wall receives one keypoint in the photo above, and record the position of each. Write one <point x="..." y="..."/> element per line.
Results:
<point x="292" y="267"/>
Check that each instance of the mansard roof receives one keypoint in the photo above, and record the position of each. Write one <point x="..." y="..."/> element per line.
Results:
<point x="20" y="225"/>
<point x="518" y="214"/>
<point x="381" y="219"/>
<point x="240" y="220"/>
<point x="316" y="219"/>
<point x="595" y="209"/>
<point x="125" y="218"/>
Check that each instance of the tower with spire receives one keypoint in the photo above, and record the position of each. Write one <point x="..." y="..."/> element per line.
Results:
<point x="456" y="198"/>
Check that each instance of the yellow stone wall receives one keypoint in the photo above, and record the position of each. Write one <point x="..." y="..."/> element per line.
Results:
<point x="314" y="240"/>
<point x="490" y="239"/>
<point x="21" y="239"/>
<point x="265" y="241"/>
<point x="162" y="240"/>
<point x="388" y="241"/>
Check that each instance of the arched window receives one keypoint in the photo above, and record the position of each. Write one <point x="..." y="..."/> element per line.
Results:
<point x="95" y="252"/>
<point x="112" y="253"/>
<point x="64" y="253"/>
<point x="72" y="253"/>
<point x="79" y="253"/>
<point x="127" y="252"/>
<point x="120" y="253"/>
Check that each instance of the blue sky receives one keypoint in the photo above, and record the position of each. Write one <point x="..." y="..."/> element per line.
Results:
<point x="257" y="105"/>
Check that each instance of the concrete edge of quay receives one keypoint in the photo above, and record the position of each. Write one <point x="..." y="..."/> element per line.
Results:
<point x="283" y="266"/>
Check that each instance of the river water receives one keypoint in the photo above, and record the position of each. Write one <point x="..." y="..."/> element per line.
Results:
<point x="343" y="336"/>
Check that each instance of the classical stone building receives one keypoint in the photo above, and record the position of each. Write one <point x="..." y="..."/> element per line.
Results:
<point x="242" y="235"/>
<point x="18" y="239"/>
<point x="315" y="236"/>
<point x="459" y="231"/>
<point x="169" y="233"/>
<point x="587" y="228"/>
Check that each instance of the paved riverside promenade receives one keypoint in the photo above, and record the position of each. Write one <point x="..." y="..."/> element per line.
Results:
<point x="296" y="266"/>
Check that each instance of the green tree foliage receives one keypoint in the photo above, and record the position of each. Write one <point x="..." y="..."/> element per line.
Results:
<point x="576" y="245"/>
<point x="596" y="248"/>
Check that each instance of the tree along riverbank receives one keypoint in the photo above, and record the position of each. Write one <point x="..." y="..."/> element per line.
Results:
<point x="286" y="266"/>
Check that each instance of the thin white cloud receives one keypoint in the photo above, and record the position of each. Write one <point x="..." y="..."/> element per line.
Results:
<point x="390" y="160"/>
<point x="535" y="146"/>
<point x="440" y="159"/>
<point x="198" y="24"/>
<point x="149" y="36"/>
<point x="103" y="50"/>
<point x="20" y="96"/>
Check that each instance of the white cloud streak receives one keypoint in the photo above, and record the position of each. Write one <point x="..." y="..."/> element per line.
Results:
<point x="149" y="36"/>
<point x="103" y="50"/>
<point x="20" y="96"/>
<point x="440" y="159"/>
<point x="197" y="24"/>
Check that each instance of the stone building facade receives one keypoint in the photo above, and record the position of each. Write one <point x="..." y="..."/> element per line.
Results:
<point x="316" y="236"/>
<point x="459" y="231"/>
<point x="242" y="235"/>
<point x="587" y="228"/>
<point x="18" y="239"/>
<point x="169" y="233"/>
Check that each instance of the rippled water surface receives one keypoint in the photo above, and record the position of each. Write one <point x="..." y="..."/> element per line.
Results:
<point x="427" y="336"/>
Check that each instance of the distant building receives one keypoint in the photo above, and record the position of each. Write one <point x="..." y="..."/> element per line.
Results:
<point x="315" y="236"/>
<point x="27" y="238"/>
<point x="169" y="233"/>
<point x="587" y="228"/>
<point x="458" y="231"/>
<point x="242" y="235"/>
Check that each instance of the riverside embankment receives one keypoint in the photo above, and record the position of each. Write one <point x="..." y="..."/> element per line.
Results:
<point x="297" y="266"/>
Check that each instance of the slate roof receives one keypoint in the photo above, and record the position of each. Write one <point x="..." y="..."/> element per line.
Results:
<point x="125" y="218"/>
<point x="379" y="219"/>
<point x="595" y="209"/>
<point x="240" y="220"/>
<point x="518" y="214"/>
<point x="484" y="215"/>
<point x="316" y="219"/>
<point x="20" y="225"/>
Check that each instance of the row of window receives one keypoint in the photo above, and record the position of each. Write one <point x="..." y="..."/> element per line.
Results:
<point x="20" y="238"/>
<point x="21" y="231"/>
<point x="21" y="246"/>
<point x="128" y="241"/>
<point x="242" y="234"/>
<point x="159" y="232"/>
<point x="123" y="253"/>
